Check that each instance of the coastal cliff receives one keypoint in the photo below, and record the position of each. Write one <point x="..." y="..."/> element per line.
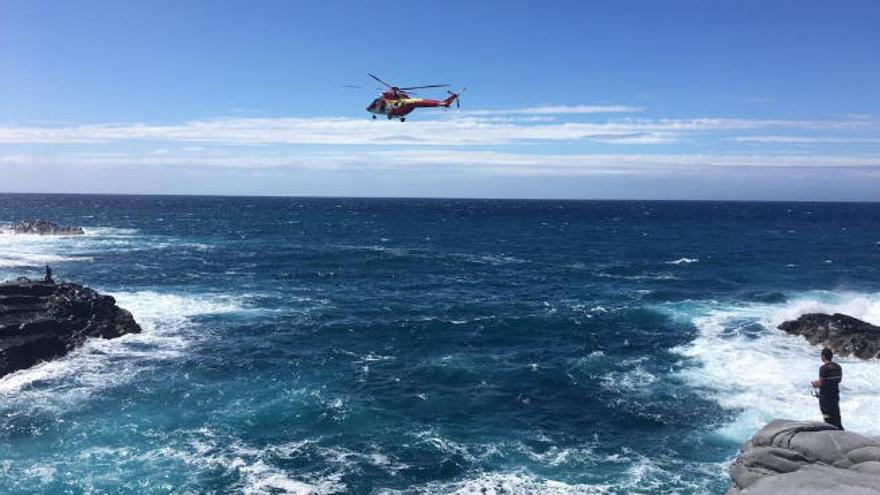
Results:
<point x="42" y="320"/>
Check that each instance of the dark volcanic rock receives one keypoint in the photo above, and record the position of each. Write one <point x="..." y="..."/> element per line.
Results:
<point x="44" y="227"/>
<point x="800" y="458"/>
<point x="43" y="320"/>
<point x="843" y="334"/>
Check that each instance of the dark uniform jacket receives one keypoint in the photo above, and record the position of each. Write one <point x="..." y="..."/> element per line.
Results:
<point x="831" y="375"/>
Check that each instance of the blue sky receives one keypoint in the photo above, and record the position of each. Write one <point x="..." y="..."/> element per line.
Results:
<point x="625" y="99"/>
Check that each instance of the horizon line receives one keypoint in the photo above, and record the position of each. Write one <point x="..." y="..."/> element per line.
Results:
<point x="441" y="198"/>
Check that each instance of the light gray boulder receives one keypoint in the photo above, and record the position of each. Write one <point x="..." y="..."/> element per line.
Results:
<point x="806" y="458"/>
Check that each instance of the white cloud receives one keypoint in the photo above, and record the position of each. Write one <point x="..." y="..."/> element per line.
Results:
<point x="492" y="162"/>
<point x="16" y="159"/>
<point x="805" y="139"/>
<point x="457" y="131"/>
<point x="560" y="110"/>
<point x="580" y="164"/>
<point x="526" y="141"/>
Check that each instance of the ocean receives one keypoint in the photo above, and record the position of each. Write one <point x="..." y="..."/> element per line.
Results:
<point x="408" y="346"/>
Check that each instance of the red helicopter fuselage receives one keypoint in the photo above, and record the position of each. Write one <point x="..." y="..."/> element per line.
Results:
<point x="398" y="104"/>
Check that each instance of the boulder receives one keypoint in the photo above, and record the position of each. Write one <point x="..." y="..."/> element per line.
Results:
<point x="806" y="458"/>
<point x="42" y="320"/>
<point x="44" y="227"/>
<point x="844" y="335"/>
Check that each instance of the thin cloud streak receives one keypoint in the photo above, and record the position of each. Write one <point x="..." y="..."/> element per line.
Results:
<point x="804" y="139"/>
<point x="560" y="110"/>
<point x="508" y="144"/>
<point x="456" y="132"/>
<point x="465" y="160"/>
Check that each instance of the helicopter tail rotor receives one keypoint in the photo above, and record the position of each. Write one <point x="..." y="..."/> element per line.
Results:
<point x="453" y="97"/>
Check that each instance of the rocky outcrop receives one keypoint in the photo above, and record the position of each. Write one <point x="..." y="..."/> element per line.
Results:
<point x="806" y="458"/>
<point x="44" y="227"/>
<point x="845" y="335"/>
<point x="41" y="320"/>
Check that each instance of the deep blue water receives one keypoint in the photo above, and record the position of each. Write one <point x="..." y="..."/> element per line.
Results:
<point x="430" y="346"/>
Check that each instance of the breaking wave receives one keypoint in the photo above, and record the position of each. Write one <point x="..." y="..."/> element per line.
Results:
<point x="748" y="366"/>
<point x="683" y="261"/>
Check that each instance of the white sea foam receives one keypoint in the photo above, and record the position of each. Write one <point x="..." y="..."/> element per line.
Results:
<point x="449" y="447"/>
<point x="32" y="251"/>
<point x="43" y="474"/>
<point x="340" y="458"/>
<point x="258" y="474"/>
<point x="649" y="476"/>
<point x="262" y="478"/>
<point x="642" y="276"/>
<point x="748" y="366"/>
<point x="259" y="471"/>
<point x="109" y="232"/>
<point x="643" y="476"/>
<point x="516" y="484"/>
<point x="156" y="308"/>
<point x="36" y="259"/>
<point x="19" y="251"/>
<point x="495" y="259"/>
<point x="683" y="261"/>
<point x="632" y="380"/>
<point x="573" y="457"/>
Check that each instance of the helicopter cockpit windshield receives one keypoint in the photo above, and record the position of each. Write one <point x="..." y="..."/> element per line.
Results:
<point x="378" y="105"/>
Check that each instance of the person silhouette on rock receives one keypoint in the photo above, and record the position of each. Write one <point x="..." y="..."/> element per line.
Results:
<point x="830" y="376"/>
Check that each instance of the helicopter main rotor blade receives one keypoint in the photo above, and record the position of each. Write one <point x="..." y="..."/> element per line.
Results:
<point x="381" y="81"/>
<point x="422" y="87"/>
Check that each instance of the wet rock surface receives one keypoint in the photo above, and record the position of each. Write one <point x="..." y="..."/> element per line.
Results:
<point x="42" y="320"/>
<point x="844" y="335"/>
<point x="44" y="227"/>
<point x="801" y="457"/>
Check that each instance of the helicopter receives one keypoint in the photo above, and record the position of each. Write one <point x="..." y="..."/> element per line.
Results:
<point x="396" y="103"/>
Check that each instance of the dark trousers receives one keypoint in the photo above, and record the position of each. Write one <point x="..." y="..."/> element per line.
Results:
<point x="830" y="407"/>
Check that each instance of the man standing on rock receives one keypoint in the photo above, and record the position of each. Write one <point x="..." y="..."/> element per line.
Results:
<point x="830" y="375"/>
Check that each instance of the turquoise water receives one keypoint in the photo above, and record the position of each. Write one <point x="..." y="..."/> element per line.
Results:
<point x="430" y="346"/>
